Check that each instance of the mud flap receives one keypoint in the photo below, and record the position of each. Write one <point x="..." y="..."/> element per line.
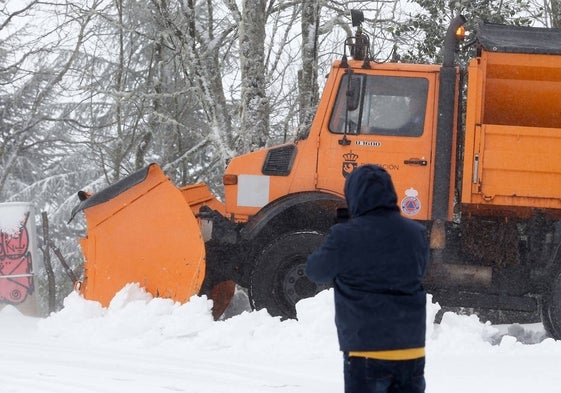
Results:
<point x="141" y="230"/>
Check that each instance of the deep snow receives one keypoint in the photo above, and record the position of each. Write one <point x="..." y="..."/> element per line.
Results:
<point x="143" y="344"/>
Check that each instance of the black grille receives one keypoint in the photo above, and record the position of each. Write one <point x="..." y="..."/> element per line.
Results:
<point x="279" y="161"/>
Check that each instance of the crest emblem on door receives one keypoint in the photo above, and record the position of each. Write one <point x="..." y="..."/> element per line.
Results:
<point x="349" y="163"/>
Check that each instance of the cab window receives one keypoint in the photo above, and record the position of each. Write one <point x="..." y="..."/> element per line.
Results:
<point x="387" y="105"/>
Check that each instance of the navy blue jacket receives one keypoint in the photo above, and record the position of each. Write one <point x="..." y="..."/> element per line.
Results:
<point x="376" y="262"/>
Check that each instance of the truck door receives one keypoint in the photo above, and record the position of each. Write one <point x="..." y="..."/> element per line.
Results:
<point x="386" y="120"/>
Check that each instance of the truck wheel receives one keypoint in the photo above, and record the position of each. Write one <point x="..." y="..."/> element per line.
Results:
<point x="551" y="309"/>
<point x="278" y="280"/>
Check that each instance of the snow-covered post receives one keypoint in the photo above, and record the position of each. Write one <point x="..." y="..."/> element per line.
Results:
<point x="18" y="256"/>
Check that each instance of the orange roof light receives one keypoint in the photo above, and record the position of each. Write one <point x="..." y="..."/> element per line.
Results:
<point x="461" y="33"/>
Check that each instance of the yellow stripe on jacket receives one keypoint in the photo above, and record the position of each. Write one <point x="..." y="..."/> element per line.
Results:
<point x="394" y="354"/>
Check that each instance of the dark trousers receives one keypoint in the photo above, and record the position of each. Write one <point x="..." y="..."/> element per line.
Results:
<point x="364" y="375"/>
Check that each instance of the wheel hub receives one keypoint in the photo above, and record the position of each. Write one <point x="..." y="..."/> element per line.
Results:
<point x="296" y="286"/>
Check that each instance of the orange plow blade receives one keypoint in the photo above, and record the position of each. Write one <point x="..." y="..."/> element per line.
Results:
<point x="141" y="230"/>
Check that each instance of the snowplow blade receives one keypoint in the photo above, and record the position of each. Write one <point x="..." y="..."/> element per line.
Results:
<point x="141" y="230"/>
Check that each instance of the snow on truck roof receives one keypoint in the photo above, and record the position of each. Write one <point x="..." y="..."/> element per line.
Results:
<point x="519" y="39"/>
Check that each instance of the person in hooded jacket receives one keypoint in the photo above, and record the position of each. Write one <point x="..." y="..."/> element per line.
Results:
<point x="376" y="262"/>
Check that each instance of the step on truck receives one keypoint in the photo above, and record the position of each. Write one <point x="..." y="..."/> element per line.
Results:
<point x="479" y="166"/>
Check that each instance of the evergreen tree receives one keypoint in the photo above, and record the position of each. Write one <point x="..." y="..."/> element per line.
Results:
<point x="424" y="31"/>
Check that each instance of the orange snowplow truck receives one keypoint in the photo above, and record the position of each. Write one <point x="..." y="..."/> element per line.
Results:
<point x="487" y="187"/>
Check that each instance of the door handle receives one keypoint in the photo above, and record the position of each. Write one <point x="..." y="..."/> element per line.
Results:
<point x="416" y="161"/>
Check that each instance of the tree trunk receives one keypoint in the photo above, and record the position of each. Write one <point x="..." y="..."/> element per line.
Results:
<point x="555" y="13"/>
<point x="254" y="128"/>
<point x="308" y="75"/>
<point x="204" y="65"/>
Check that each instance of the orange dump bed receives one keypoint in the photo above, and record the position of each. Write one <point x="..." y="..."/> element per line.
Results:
<point x="513" y="123"/>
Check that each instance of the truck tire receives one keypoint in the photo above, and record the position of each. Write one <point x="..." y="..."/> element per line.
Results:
<point x="551" y="309"/>
<point x="278" y="280"/>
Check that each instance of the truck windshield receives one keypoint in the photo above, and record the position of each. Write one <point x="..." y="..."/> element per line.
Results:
<point x="389" y="105"/>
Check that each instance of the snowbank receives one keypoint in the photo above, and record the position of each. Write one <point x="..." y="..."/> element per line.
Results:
<point x="146" y="344"/>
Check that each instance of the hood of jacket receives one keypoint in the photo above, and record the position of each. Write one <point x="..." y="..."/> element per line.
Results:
<point x="369" y="188"/>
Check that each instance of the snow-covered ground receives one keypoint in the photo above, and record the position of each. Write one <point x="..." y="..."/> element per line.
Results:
<point x="140" y="344"/>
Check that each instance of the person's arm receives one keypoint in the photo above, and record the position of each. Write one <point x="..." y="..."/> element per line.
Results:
<point x="323" y="264"/>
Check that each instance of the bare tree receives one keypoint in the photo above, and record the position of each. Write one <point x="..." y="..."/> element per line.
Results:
<point x="555" y="13"/>
<point x="547" y="12"/>
<point x="31" y="82"/>
<point x="254" y="119"/>
<point x="308" y="76"/>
